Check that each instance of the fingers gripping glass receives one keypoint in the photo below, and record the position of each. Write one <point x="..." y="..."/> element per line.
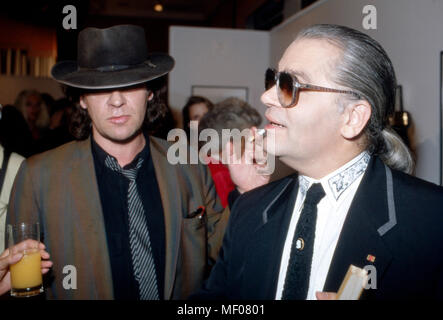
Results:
<point x="288" y="87"/>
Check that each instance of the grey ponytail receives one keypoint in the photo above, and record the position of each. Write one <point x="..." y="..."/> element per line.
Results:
<point x="366" y="69"/>
<point x="396" y="154"/>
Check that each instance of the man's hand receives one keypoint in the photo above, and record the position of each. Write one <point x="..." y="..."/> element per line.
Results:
<point x="249" y="170"/>
<point x="326" y="295"/>
<point x="7" y="260"/>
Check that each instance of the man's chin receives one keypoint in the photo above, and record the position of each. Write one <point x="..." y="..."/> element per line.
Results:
<point x="123" y="138"/>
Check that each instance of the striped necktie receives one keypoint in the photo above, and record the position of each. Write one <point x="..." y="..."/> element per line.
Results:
<point x="139" y="240"/>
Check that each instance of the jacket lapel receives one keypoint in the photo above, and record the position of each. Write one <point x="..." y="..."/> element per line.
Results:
<point x="172" y="206"/>
<point x="359" y="237"/>
<point x="266" y="244"/>
<point x="89" y="225"/>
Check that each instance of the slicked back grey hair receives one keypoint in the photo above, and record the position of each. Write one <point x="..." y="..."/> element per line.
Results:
<point x="365" y="68"/>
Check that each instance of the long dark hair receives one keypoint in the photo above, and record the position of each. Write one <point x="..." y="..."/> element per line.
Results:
<point x="185" y="111"/>
<point x="157" y="110"/>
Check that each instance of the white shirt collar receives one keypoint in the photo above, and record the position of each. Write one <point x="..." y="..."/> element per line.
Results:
<point x="339" y="180"/>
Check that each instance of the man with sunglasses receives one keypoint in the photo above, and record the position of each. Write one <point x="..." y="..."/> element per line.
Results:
<point x="351" y="203"/>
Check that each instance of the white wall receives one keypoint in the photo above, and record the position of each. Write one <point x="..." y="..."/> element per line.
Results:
<point x="217" y="57"/>
<point x="411" y="33"/>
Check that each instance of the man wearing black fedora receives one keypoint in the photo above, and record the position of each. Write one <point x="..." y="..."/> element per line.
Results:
<point x="110" y="205"/>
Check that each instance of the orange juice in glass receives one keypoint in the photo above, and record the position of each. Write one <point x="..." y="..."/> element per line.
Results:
<point x="26" y="275"/>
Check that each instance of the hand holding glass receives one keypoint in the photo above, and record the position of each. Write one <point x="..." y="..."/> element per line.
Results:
<point x="26" y="274"/>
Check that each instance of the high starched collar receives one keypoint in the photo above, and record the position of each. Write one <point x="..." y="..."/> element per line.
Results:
<point x="338" y="181"/>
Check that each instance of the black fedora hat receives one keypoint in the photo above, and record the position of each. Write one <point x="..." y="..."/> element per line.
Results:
<point x="112" y="58"/>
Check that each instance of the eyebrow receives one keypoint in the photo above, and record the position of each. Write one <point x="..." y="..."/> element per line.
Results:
<point x="299" y="74"/>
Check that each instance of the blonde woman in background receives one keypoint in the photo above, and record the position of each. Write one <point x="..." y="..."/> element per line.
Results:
<point x="36" y="114"/>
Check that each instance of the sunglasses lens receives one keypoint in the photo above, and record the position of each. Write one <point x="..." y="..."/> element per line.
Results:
<point x="269" y="79"/>
<point x="285" y="87"/>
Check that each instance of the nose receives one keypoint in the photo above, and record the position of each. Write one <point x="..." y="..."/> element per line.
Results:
<point x="269" y="97"/>
<point x="116" y="99"/>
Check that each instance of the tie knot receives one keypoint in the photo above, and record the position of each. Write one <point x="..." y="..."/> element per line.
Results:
<point x="130" y="174"/>
<point x="314" y="194"/>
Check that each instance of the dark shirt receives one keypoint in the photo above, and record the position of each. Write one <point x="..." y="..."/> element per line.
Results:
<point x="113" y="188"/>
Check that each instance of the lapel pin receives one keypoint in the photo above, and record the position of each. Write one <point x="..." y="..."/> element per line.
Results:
<point x="370" y="258"/>
<point x="300" y="244"/>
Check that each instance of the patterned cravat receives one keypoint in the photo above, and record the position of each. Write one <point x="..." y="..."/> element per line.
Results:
<point x="139" y="240"/>
<point x="299" y="267"/>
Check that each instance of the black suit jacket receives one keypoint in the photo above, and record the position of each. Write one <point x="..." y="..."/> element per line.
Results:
<point x="408" y="257"/>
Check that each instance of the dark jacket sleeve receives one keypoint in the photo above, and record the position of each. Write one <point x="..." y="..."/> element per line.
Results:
<point x="233" y="195"/>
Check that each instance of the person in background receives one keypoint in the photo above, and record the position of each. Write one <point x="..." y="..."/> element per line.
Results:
<point x="231" y="113"/>
<point x="36" y="114"/>
<point x="195" y="108"/>
<point x="15" y="135"/>
<point x="58" y="130"/>
<point x="49" y="102"/>
<point x="10" y="163"/>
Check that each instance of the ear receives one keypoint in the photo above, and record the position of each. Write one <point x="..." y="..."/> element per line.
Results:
<point x="356" y="116"/>
<point x="83" y="103"/>
<point x="150" y="95"/>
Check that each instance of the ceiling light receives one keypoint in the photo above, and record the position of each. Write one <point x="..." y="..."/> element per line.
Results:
<point x="158" y="7"/>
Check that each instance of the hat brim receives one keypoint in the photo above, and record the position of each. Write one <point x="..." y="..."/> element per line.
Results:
<point x="67" y="72"/>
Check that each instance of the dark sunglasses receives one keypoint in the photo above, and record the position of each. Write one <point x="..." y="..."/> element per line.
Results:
<point x="288" y="87"/>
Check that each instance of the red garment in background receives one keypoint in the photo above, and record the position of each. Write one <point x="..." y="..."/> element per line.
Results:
<point x="222" y="180"/>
